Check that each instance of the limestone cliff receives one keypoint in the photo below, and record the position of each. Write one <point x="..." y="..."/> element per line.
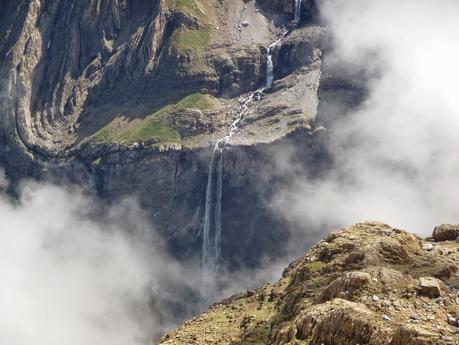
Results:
<point x="126" y="96"/>
<point x="118" y="73"/>
<point x="365" y="284"/>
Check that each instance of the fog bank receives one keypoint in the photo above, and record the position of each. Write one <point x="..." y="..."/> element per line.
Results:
<point x="395" y="157"/>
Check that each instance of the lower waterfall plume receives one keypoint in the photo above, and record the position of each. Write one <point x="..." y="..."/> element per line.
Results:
<point x="297" y="16"/>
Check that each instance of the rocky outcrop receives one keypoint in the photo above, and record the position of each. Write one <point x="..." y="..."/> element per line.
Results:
<point x="340" y="322"/>
<point x="365" y="284"/>
<point x="417" y="335"/>
<point x="309" y="8"/>
<point x="345" y="286"/>
<point x="446" y="232"/>
<point x="429" y="286"/>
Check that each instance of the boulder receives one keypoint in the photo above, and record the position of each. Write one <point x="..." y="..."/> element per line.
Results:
<point x="429" y="286"/>
<point x="415" y="335"/>
<point x="344" y="286"/>
<point x="446" y="232"/>
<point x="341" y="322"/>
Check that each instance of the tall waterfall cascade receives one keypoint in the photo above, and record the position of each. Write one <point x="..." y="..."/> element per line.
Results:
<point x="212" y="228"/>
<point x="298" y="10"/>
<point x="270" y="65"/>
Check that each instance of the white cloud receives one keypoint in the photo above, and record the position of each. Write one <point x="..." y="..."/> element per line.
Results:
<point x="76" y="272"/>
<point x="73" y="272"/>
<point x="396" y="156"/>
<point x="67" y="279"/>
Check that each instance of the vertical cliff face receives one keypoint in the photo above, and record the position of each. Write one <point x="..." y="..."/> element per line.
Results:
<point x="125" y="96"/>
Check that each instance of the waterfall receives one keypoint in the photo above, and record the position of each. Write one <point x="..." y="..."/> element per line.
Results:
<point x="269" y="70"/>
<point x="270" y="63"/>
<point x="298" y="10"/>
<point x="212" y="229"/>
<point x="212" y="223"/>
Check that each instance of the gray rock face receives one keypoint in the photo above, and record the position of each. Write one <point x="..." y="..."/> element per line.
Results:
<point x="124" y="98"/>
<point x="172" y="184"/>
<point x="308" y="7"/>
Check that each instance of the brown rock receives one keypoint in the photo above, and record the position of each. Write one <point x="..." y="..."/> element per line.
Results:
<point x="446" y="232"/>
<point x="415" y="335"/>
<point x="429" y="286"/>
<point x="341" y="322"/>
<point x="344" y="286"/>
<point x="363" y="303"/>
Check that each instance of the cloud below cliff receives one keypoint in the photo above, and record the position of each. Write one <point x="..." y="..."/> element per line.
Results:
<point x="76" y="272"/>
<point x="68" y="278"/>
<point x="395" y="157"/>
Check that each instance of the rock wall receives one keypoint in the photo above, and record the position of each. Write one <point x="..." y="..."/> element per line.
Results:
<point x="172" y="185"/>
<point x="70" y="70"/>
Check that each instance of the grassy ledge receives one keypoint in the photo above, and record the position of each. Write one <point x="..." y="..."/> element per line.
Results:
<point x="192" y="39"/>
<point x="155" y="128"/>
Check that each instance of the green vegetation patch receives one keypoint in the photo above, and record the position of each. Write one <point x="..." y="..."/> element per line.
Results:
<point x="196" y="101"/>
<point x="316" y="266"/>
<point x="151" y="129"/>
<point x="192" y="39"/>
<point x="155" y="128"/>
<point x="187" y="6"/>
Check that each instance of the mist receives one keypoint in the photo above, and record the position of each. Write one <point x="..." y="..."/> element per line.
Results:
<point x="75" y="271"/>
<point x="395" y="156"/>
<point x="67" y="279"/>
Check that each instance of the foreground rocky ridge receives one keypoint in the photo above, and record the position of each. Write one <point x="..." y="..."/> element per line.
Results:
<point x="365" y="284"/>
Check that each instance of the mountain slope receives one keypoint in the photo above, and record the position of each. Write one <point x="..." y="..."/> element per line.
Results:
<point x="365" y="284"/>
<point x="76" y="73"/>
<point x="127" y="97"/>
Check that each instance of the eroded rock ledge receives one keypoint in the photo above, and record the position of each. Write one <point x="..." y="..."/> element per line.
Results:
<point x="365" y="284"/>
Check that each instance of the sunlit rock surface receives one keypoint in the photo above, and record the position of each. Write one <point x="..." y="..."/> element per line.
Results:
<point x="360" y="285"/>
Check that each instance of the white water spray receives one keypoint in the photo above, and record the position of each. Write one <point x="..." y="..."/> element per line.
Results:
<point x="298" y="10"/>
